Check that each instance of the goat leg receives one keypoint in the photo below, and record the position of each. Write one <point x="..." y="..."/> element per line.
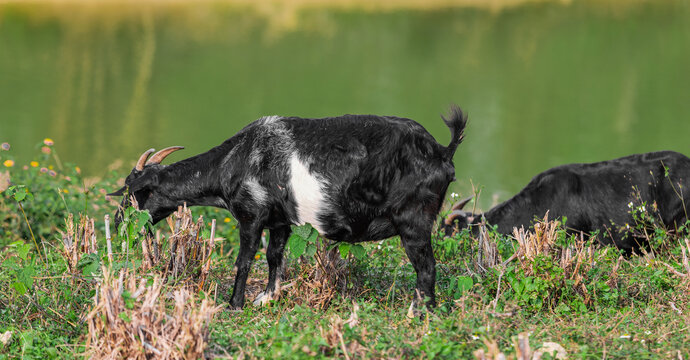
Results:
<point x="274" y="256"/>
<point x="250" y="236"/>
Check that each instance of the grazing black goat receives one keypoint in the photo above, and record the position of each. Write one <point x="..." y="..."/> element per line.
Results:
<point x="596" y="196"/>
<point x="354" y="178"/>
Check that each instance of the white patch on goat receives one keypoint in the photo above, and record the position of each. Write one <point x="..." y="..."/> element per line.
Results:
<point x="308" y="190"/>
<point x="258" y="192"/>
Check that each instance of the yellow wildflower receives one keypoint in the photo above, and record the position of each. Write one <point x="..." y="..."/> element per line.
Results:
<point x="50" y="167"/>
<point x="257" y="256"/>
<point x="65" y="191"/>
<point x="77" y="169"/>
<point x="227" y="220"/>
<point x="8" y="163"/>
<point x="48" y="141"/>
<point x="34" y="164"/>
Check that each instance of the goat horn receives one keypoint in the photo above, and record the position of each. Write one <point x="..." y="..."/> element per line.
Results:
<point x="452" y="216"/>
<point x="159" y="156"/>
<point x="461" y="204"/>
<point x="142" y="159"/>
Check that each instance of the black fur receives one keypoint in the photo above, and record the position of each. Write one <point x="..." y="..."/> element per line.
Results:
<point x="380" y="176"/>
<point x="596" y="196"/>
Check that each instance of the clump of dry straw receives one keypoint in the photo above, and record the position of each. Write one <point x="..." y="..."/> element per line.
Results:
<point x="134" y="320"/>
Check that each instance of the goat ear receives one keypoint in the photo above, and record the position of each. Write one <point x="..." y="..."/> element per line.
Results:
<point x="461" y="204"/>
<point x="118" y="192"/>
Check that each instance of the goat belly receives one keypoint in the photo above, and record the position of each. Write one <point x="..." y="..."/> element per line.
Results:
<point x="357" y="230"/>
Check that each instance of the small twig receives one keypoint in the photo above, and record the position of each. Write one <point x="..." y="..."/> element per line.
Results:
<point x="674" y="271"/>
<point x="511" y="258"/>
<point x="498" y="288"/>
<point x="108" y="240"/>
<point x="44" y="310"/>
<point x="342" y="344"/>
<point x="673" y="306"/>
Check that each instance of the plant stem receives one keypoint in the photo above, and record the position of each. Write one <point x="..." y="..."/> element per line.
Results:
<point x="32" y="233"/>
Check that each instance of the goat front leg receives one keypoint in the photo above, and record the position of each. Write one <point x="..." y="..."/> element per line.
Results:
<point x="250" y="237"/>
<point x="274" y="256"/>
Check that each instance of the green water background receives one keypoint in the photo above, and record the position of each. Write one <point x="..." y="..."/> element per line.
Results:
<point x="544" y="83"/>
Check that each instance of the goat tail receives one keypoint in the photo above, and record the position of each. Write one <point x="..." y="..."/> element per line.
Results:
<point x="456" y="121"/>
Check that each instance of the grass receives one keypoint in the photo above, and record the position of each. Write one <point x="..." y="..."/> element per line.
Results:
<point x="497" y="295"/>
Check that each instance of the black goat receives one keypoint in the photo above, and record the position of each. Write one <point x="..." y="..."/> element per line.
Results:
<point x="596" y="196"/>
<point x="354" y="178"/>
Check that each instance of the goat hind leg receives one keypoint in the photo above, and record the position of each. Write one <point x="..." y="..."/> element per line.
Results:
<point x="417" y="244"/>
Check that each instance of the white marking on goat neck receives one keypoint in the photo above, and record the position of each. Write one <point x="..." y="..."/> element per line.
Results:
<point x="308" y="190"/>
<point x="258" y="192"/>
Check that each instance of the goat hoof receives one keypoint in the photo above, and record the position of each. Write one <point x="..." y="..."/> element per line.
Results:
<point x="263" y="299"/>
<point x="413" y="311"/>
<point x="234" y="309"/>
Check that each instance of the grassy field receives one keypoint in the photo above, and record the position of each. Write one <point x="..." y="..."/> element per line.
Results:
<point x="536" y="293"/>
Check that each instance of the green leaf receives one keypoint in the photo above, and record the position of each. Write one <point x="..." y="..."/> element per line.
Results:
<point x="19" y="288"/>
<point x="89" y="265"/>
<point x="144" y="217"/>
<point x="123" y="315"/>
<point x="19" y="196"/>
<point x="358" y="251"/>
<point x="23" y="250"/>
<point x="344" y="249"/>
<point x="297" y="245"/>
<point x="464" y="283"/>
<point x="25" y="276"/>
<point x="311" y="250"/>
<point x="313" y="236"/>
<point x="302" y="231"/>
<point x="129" y="300"/>
<point x="27" y="339"/>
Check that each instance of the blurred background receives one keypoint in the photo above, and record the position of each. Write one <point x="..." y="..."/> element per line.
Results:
<point x="544" y="82"/>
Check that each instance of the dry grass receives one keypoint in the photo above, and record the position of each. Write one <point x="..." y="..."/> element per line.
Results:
<point x="317" y="284"/>
<point x="531" y="245"/>
<point x="335" y="339"/>
<point x="78" y="239"/>
<point x="187" y="254"/>
<point x="487" y="254"/>
<point x="133" y="320"/>
<point x="522" y="350"/>
<point x="136" y="315"/>
<point x="685" y="271"/>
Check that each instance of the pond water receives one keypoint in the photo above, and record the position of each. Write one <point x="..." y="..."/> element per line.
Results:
<point x="544" y="83"/>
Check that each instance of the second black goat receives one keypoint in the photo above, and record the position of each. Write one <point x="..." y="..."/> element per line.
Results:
<point x="596" y="196"/>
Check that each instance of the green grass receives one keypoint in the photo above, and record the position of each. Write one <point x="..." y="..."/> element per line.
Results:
<point x="609" y="307"/>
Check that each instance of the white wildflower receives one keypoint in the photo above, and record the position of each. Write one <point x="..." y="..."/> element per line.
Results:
<point x="454" y="195"/>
